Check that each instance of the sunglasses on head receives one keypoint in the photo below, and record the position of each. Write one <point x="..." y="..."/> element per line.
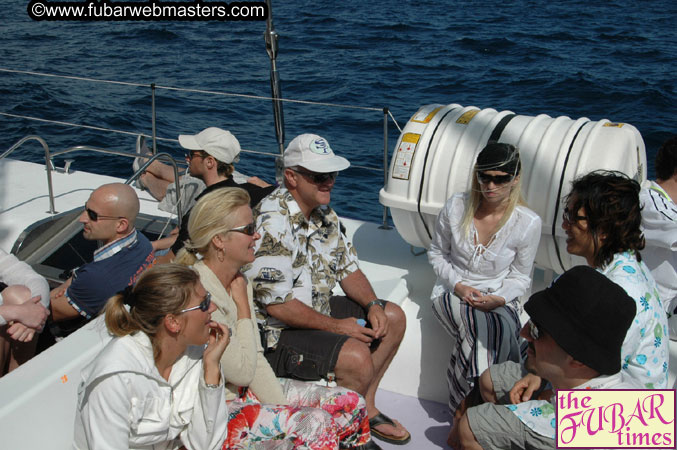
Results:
<point x="569" y="217"/>
<point x="318" y="178"/>
<point x="534" y="331"/>
<point x="94" y="216"/>
<point x="485" y="178"/>
<point x="203" y="306"/>
<point x="248" y="229"/>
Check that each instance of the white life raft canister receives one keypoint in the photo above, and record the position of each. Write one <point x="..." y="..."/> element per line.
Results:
<point x="438" y="146"/>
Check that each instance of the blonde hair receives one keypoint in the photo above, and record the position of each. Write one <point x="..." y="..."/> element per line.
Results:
<point x="211" y="215"/>
<point x="474" y="200"/>
<point x="163" y="289"/>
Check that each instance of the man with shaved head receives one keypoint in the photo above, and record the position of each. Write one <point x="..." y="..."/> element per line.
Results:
<point x="108" y="217"/>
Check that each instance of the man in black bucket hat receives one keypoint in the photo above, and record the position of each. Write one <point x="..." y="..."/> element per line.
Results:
<point x="575" y="332"/>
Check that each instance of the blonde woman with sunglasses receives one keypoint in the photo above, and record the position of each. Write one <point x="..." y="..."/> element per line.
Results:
<point x="262" y="407"/>
<point x="156" y="384"/>
<point x="482" y="253"/>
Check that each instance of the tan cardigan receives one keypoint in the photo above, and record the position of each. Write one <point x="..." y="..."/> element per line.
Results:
<point x="243" y="363"/>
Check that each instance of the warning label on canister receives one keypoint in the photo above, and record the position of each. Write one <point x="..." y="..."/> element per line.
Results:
<point x="404" y="156"/>
<point x="467" y="116"/>
<point x="426" y="113"/>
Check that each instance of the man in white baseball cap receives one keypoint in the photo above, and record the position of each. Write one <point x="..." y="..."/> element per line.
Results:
<point x="212" y="154"/>
<point x="210" y="157"/>
<point x="221" y="144"/>
<point x="302" y="255"/>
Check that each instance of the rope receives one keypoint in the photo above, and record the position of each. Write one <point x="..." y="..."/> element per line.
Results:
<point x="70" y="124"/>
<point x="172" y="88"/>
<point x="198" y="91"/>
<point x="131" y="133"/>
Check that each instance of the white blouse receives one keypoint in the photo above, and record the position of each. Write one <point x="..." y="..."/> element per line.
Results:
<point x="502" y="268"/>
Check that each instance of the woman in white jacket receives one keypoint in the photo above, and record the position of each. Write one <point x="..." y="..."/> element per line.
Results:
<point x="156" y="385"/>
<point x="262" y="407"/>
<point x="482" y="253"/>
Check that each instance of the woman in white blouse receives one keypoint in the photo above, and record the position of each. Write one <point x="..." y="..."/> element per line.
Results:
<point x="482" y="253"/>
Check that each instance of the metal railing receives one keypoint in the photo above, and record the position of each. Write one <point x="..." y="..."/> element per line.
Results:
<point x="153" y="88"/>
<point x="49" y="166"/>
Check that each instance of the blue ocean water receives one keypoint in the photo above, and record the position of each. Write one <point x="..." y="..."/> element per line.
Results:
<point x="612" y="59"/>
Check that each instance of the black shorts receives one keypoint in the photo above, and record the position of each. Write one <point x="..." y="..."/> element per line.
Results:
<point x="311" y="354"/>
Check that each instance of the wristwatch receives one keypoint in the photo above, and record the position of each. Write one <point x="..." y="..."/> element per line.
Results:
<point x="379" y="302"/>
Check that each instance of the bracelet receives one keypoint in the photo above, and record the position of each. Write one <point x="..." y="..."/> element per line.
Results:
<point x="378" y="301"/>
<point x="212" y="386"/>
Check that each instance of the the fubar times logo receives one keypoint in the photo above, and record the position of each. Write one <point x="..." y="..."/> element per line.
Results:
<point x="608" y="418"/>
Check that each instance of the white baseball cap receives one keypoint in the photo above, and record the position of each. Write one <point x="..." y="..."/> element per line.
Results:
<point x="313" y="153"/>
<point x="221" y="144"/>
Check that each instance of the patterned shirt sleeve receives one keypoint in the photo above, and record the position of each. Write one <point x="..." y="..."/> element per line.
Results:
<point x="347" y="261"/>
<point x="272" y="273"/>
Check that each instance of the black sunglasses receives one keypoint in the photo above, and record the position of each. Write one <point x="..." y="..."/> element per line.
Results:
<point x="248" y="229"/>
<point x="485" y="178"/>
<point x="195" y="154"/>
<point x="318" y="178"/>
<point x="567" y="216"/>
<point x="203" y="306"/>
<point x="95" y="216"/>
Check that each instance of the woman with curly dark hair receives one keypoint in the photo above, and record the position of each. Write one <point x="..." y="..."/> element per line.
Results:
<point x="602" y="223"/>
<point x="601" y="220"/>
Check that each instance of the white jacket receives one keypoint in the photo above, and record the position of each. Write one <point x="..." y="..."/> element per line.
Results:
<point x="123" y="402"/>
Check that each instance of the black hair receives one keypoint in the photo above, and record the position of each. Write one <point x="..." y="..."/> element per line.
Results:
<point x="610" y="200"/>
<point x="666" y="159"/>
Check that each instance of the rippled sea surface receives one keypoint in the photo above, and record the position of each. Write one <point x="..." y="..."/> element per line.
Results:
<point x="612" y="59"/>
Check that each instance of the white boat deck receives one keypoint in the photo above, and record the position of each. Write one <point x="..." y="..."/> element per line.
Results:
<point x="45" y="388"/>
<point x="413" y="390"/>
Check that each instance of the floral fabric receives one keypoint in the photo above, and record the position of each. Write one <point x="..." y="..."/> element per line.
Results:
<point x="539" y="415"/>
<point x="297" y="258"/>
<point x="316" y="418"/>
<point x="645" y="349"/>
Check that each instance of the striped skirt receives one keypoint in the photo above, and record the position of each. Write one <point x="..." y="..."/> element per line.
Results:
<point x="480" y="340"/>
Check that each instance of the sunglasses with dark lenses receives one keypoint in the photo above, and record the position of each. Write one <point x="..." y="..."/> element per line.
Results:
<point x="94" y="216"/>
<point x="248" y="229"/>
<point x="203" y="306"/>
<point x="318" y="178"/>
<point x="485" y="178"/>
<point x="534" y="331"/>
<point x="568" y="216"/>
<point x="194" y="154"/>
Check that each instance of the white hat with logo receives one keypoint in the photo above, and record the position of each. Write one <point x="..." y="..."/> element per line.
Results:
<point x="313" y="152"/>
<point x="221" y="144"/>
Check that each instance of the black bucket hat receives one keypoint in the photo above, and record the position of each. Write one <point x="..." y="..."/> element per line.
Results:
<point x="587" y="315"/>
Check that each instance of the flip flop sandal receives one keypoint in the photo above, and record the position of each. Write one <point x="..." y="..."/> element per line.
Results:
<point x="381" y="419"/>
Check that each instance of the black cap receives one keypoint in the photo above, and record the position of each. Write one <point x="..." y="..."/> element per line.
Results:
<point x="503" y="157"/>
<point x="587" y="315"/>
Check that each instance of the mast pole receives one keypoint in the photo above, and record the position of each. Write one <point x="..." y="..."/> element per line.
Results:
<point x="271" y="38"/>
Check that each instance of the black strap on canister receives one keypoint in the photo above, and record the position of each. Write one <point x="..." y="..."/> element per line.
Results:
<point x="500" y="126"/>
<point x="559" y="193"/>
<point x="425" y="163"/>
